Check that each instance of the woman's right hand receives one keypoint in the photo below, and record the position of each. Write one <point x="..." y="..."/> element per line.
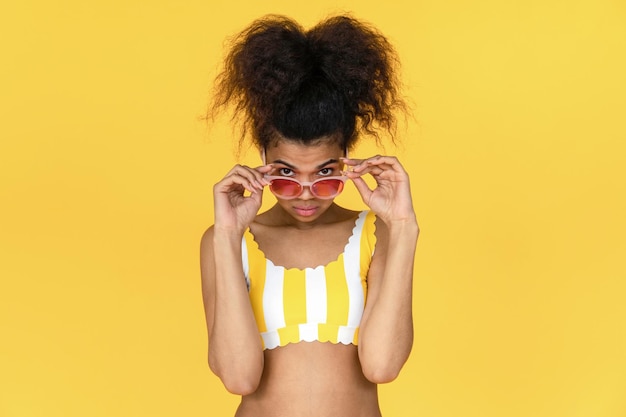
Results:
<point x="233" y="210"/>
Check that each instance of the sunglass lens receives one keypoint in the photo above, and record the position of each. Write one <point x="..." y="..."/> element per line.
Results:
<point x="327" y="188"/>
<point x="285" y="188"/>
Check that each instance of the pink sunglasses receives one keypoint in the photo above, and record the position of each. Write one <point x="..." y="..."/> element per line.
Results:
<point x="288" y="188"/>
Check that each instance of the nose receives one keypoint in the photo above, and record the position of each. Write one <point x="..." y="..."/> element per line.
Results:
<point x="306" y="193"/>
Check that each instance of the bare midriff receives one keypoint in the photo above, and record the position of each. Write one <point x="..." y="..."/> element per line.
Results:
<point x="312" y="379"/>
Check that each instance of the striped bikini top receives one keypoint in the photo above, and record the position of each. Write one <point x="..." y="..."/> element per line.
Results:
<point x="324" y="303"/>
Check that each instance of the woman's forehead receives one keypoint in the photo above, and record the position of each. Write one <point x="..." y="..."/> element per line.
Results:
<point x="300" y="155"/>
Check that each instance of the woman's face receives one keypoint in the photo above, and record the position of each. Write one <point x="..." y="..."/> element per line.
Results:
<point x="305" y="163"/>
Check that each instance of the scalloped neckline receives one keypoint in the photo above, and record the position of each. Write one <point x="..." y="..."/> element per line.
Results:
<point x="351" y="239"/>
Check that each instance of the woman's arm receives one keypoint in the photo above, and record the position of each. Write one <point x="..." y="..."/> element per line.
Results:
<point x="386" y="331"/>
<point x="235" y="350"/>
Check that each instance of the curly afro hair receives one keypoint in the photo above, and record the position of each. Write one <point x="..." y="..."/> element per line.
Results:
<point x="337" y="79"/>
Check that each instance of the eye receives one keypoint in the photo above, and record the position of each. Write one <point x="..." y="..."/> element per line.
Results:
<point x="285" y="172"/>
<point x="325" y="172"/>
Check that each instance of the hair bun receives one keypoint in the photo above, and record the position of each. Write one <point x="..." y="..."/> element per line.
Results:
<point x="338" y="77"/>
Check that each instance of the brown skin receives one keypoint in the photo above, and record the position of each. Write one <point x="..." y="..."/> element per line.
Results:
<point x="312" y="379"/>
<point x="309" y="379"/>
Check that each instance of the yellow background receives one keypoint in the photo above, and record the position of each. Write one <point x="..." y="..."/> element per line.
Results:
<point x="517" y="158"/>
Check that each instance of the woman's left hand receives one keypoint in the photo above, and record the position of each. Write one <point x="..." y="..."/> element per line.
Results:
<point x="391" y="199"/>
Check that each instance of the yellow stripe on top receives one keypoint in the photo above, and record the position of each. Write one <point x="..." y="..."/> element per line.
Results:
<point x="294" y="305"/>
<point x="294" y="287"/>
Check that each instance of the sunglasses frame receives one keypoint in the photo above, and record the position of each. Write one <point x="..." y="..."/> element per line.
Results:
<point x="309" y="184"/>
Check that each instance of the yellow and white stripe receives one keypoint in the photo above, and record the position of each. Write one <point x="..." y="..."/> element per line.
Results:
<point x="324" y="303"/>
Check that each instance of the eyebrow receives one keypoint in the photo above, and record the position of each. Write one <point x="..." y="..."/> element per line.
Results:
<point x="320" y="166"/>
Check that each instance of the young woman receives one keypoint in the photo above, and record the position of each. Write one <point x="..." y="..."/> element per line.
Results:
<point x="308" y="305"/>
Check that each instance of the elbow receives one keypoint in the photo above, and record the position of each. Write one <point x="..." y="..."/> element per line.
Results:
<point x="239" y="380"/>
<point x="240" y="386"/>
<point x="381" y="374"/>
<point x="381" y="366"/>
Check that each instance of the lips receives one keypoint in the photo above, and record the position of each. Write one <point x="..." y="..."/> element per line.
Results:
<point x="305" y="211"/>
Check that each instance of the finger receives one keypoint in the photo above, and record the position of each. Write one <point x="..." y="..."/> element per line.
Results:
<point x="377" y="160"/>
<point x="359" y="164"/>
<point x="363" y="189"/>
<point x="351" y="161"/>
<point x="253" y="176"/>
<point x="373" y="170"/>
<point x="372" y="165"/>
<point x="353" y="164"/>
<point x="248" y="183"/>
<point x="264" y="170"/>
<point x="388" y="162"/>
<point x="236" y="182"/>
<point x="257" y="197"/>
